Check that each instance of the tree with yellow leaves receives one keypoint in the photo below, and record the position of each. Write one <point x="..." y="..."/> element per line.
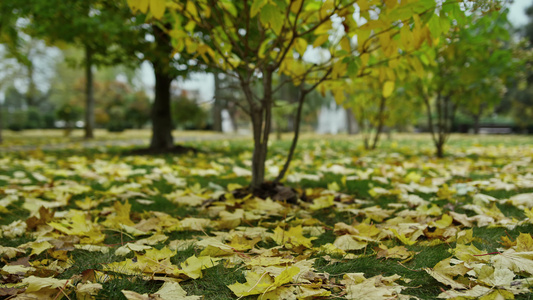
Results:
<point x="255" y="39"/>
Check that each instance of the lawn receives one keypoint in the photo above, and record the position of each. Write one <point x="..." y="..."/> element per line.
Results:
<point x="97" y="223"/>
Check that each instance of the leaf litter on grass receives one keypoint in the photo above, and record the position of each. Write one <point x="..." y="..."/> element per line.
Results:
<point x="110" y="205"/>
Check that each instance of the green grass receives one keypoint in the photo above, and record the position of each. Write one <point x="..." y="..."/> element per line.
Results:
<point x="484" y="157"/>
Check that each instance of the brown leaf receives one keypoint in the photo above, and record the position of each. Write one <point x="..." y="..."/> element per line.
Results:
<point x="45" y="216"/>
<point x="10" y="291"/>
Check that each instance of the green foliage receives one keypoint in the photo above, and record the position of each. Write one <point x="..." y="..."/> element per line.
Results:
<point x="69" y="113"/>
<point x="188" y="114"/>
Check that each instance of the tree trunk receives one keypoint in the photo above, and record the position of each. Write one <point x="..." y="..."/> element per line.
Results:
<point x="261" y="123"/>
<point x="233" y="118"/>
<point x="381" y="122"/>
<point x="477" y="120"/>
<point x="1" y="121"/>
<point x="301" y="98"/>
<point x="440" y="149"/>
<point x="351" y="124"/>
<point x="30" y="94"/>
<point x="217" y="105"/>
<point x="161" y="117"/>
<point x="259" y="154"/>
<point x="89" y="94"/>
<point x="161" y="112"/>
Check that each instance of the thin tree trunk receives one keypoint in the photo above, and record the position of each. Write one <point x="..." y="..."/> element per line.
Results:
<point x="233" y="118"/>
<point x="161" y="110"/>
<point x="1" y="122"/>
<point x="261" y="122"/>
<point x="217" y="105"/>
<point x="30" y="94"/>
<point x="297" y="122"/>
<point x="258" y="165"/>
<point x="381" y="122"/>
<point x="89" y="94"/>
<point x="477" y="118"/>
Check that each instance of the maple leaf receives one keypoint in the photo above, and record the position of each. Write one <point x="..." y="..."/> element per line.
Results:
<point x="377" y="287"/>
<point x="405" y="240"/>
<point x="292" y="237"/>
<point x="322" y="202"/>
<point x="524" y="243"/>
<point x="444" y="272"/>
<point x="399" y="252"/>
<point x="35" y="284"/>
<point x="348" y="242"/>
<point x="10" y="252"/>
<point x="255" y="284"/>
<point x="517" y="262"/>
<point x="173" y="291"/>
<point x="495" y="277"/>
<point x="120" y="217"/>
<point x="87" y="290"/>
<point x="39" y="247"/>
<point x="241" y="243"/>
<point x="193" y="266"/>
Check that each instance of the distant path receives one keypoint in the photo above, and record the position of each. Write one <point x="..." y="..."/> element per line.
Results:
<point x="117" y="143"/>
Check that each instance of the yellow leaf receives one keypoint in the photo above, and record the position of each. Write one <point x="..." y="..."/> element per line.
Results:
<point x="444" y="272"/>
<point x="9" y="252"/>
<point x="348" y="243"/>
<point x="87" y="290"/>
<point x="38" y="248"/>
<point x="143" y="5"/>
<point x="17" y="269"/>
<point x="320" y="40"/>
<point x="134" y="5"/>
<point x="363" y="5"/>
<point x="345" y="44"/>
<point x="173" y="291"/>
<point x="300" y="45"/>
<point x="292" y="237"/>
<point x="191" y="9"/>
<point x="38" y="283"/>
<point x="324" y="28"/>
<point x="286" y="276"/>
<point x="322" y="202"/>
<point x="159" y="254"/>
<point x="444" y="222"/>
<point x="529" y="214"/>
<point x="131" y="295"/>
<point x="157" y="8"/>
<point x="399" y="252"/>
<point x="193" y="266"/>
<point x="515" y="261"/>
<point x="465" y="236"/>
<point x="405" y="240"/>
<point x="524" y="243"/>
<point x="295" y="6"/>
<point x="255" y="284"/>
<point x="388" y="88"/>
<point x="241" y="243"/>
<point x="495" y="277"/>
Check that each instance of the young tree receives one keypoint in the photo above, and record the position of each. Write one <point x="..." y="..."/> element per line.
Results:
<point x="374" y="102"/>
<point x="466" y="71"/>
<point x="255" y="39"/>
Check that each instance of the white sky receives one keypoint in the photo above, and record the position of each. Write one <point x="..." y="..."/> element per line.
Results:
<point x="517" y="12"/>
